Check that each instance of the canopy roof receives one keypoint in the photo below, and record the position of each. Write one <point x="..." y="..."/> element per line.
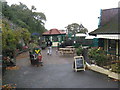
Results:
<point x="53" y="32"/>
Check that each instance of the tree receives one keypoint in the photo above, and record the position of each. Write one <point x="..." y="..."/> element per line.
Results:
<point x="10" y="38"/>
<point x="33" y="7"/>
<point x="25" y="35"/>
<point x="84" y="30"/>
<point x="24" y="17"/>
<point x="73" y="28"/>
<point x="76" y="28"/>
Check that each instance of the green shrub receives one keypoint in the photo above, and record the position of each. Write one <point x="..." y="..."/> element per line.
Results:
<point x="77" y="45"/>
<point x="79" y="51"/>
<point x="19" y="46"/>
<point x="98" y="55"/>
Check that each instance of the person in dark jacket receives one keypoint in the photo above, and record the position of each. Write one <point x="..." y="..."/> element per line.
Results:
<point x="49" y="45"/>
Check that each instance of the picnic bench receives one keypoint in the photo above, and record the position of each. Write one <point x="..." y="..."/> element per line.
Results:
<point x="67" y="50"/>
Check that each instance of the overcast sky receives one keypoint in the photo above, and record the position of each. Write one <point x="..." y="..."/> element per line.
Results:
<point x="60" y="13"/>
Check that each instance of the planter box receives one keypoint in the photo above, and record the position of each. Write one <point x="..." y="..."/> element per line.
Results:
<point x="114" y="75"/>
<point x="99" y="69"/>
<point x="104" y="71"/>
<point x="87" y="65"/>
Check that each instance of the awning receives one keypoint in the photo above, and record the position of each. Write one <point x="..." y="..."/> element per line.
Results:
<point x="90" y="37"/>
<point x="111" y="36"/>
<point x="80" y="35"/>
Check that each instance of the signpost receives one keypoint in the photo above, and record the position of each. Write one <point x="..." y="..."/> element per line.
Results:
<point x="79" y="63"/>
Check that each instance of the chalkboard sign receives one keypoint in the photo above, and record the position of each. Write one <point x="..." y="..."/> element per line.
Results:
<point x="79" y="63"/>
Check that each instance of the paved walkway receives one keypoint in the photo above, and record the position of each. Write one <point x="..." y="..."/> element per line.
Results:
<point x="56" y="73"/>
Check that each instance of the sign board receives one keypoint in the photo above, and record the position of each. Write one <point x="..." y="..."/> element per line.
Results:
<point x="79" y="63"/>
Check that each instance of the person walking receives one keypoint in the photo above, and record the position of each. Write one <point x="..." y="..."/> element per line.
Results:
<point x="49" y="45"/>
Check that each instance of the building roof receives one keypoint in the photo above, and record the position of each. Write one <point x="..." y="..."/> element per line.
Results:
<point x="53" y="32"/>
<point x="108" y="25"/>
<point x="107" y="14"/>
